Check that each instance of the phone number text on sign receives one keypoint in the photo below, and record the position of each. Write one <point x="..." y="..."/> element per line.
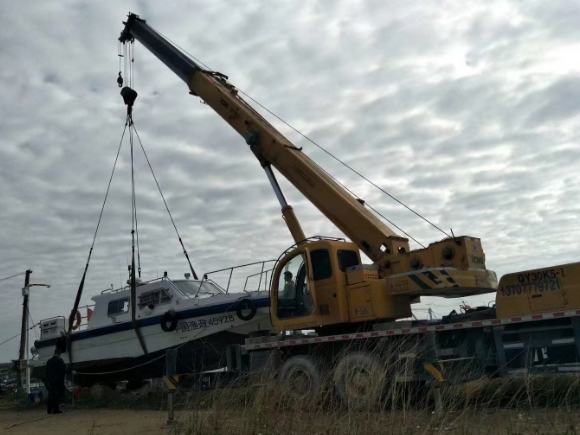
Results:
<point x="551" y="285"/>
<point x="193" y="325"/>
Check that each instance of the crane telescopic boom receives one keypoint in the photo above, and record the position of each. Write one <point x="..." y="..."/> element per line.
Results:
<point x="452" y="267"/>
<point x="268" y="144"/>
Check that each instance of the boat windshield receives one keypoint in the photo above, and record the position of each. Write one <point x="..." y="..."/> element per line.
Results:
<point x="200" y="289"/>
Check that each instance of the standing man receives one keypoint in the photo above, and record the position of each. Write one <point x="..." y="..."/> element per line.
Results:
<point x="55" y="370"/>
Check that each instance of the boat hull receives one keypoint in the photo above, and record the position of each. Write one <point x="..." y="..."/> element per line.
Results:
<point x="192" y="357"/>
<point x="113" y="353"/>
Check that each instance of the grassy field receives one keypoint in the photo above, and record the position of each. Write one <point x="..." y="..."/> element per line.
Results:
<point x="517" y="406"/>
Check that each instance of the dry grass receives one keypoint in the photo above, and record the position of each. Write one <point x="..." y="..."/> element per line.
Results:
<point x="529" y="405"/>
<point x="517" y="406"/>
<point x="255" y="422"/>
<point x="525" y="405"/>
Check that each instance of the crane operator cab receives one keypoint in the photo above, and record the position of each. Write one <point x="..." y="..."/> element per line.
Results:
<point x="295" y="299"/>
<point x="311" y="289"/>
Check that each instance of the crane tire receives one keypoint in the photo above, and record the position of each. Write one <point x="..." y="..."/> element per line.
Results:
<point x="170" y="317"/>
<point x="301" y="379"/>
<point x="243" y="305"/>
<point x="359" y="381"/>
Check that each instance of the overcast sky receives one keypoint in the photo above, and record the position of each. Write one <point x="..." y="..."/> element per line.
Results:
<point x="467" y="113"/>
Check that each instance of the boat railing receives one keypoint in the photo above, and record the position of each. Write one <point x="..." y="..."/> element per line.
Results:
<point x="127" y="287"/>
<point x="85" y="319"/>
<point x="262" y="275"/>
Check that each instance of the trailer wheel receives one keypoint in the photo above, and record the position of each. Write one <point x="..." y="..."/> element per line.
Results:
<point x="300" y="378"/>
<point x="359" y="381"/>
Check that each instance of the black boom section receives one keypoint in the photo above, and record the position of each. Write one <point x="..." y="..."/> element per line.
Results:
<point x="136" y="28"/>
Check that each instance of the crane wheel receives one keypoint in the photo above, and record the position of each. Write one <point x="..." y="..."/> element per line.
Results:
<point x="359" y="381"/>
<point x="300" y="379"/>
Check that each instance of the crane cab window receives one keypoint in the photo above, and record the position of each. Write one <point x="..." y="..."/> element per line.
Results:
<point x="294" y="299"/>
<point x="118" y="306"/>
<point x="347" y="259"/>
<point x="321" y="266"/>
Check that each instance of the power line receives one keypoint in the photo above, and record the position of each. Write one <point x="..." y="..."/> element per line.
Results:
<point x="17" y="335"/>
<point x="12" y="276"/>
<point x="11" y="338"/>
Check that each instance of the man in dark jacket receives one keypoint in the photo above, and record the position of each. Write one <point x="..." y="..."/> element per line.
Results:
<point x="55" y="370"/>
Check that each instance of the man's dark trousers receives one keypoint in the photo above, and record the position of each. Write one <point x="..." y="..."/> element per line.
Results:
<point x="53" y="402"/>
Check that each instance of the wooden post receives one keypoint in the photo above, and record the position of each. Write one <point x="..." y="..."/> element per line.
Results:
<point x="170" y="413"/>
<point x="170" y="368"/>
<point x="437" y="397"/>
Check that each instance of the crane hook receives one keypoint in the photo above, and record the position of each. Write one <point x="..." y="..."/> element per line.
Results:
<point x="120" y="80"/>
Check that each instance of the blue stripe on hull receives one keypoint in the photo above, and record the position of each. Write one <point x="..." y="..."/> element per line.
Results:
<point x="126" y="326"/>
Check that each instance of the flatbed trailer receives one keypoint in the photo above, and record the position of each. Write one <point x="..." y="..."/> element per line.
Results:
<point x="418" y="352"/>
<point x="511" y="338"/>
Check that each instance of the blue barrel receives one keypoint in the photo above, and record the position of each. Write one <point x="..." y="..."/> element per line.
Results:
<point x="34" y="397"/>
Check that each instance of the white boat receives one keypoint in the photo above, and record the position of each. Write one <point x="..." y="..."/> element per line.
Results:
<point x="199" y="318"/>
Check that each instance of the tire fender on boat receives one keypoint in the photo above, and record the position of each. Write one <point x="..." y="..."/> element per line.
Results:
<point x="169" y="321"/>
<point x="243" y="305"/>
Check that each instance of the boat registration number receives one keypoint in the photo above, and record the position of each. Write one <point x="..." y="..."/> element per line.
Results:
<point x="193" y="325"/>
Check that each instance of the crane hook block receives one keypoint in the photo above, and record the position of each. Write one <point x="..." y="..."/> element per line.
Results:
<point x="129" y="95"/>
<point x="120" y="80"/>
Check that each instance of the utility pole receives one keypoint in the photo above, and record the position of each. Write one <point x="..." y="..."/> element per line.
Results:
<point x="24" y="331"/>
<point x="24" y="328"/>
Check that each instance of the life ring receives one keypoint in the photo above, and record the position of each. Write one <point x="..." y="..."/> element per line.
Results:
<point x="246" y="304"/>
<point x="170" y="317"/>
<point x="78" y="319"/>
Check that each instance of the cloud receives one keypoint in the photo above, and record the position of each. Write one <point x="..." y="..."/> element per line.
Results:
<point x="467" y="113"/>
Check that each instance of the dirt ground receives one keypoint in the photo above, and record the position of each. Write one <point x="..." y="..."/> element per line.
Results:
<point x="145" y="422"/>
<point x="85" y="422"/>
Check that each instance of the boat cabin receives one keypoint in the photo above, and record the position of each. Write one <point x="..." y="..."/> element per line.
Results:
<point x="154" y="298"/>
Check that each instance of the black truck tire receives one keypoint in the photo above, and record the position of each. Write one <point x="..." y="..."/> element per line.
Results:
<point x="301" y="379"/>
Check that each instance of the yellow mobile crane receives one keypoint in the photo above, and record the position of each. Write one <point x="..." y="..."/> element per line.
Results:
<point x="327" y="273"/>
<point x="535" y="327"/>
